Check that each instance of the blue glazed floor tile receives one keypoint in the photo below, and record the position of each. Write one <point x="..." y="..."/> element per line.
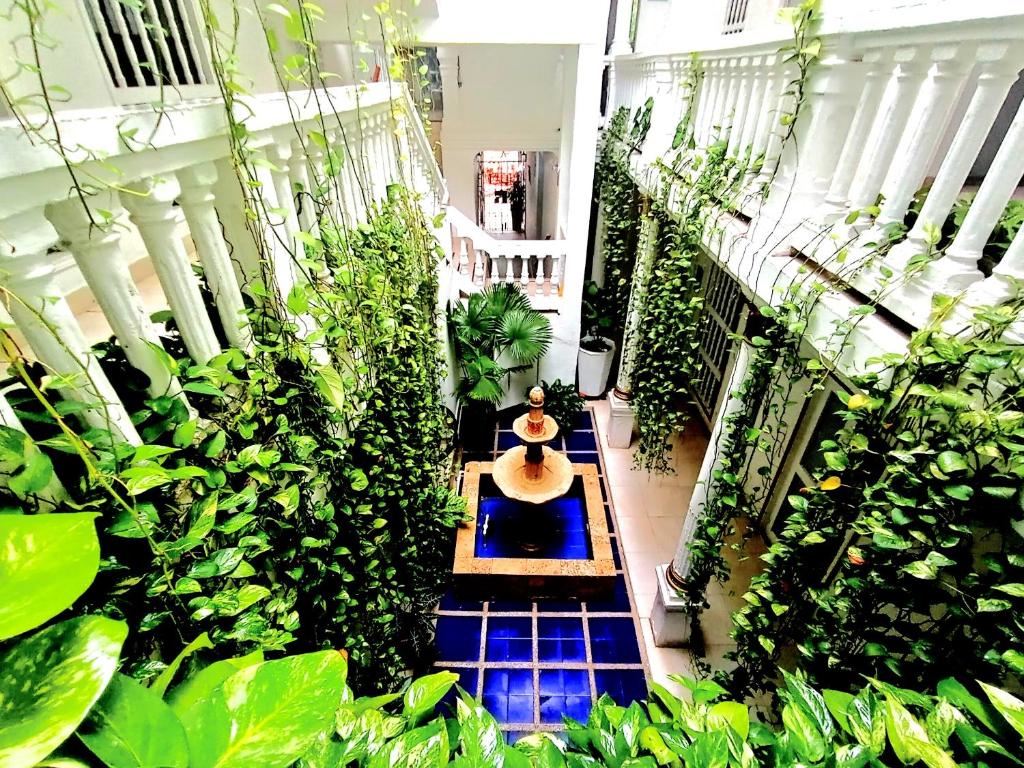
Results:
<point x="613" y="641"/>
<point x="520" y="709"/>
<point x="608" y="516"/>
<point x="509" y="606"/>
<point x="508" y="694"/>
<point x="584" y="420"/>
<point x="615" y="554"/>
<point x="458" y="638"/>
<point x="553" y="708"/>
<point x="511" y="737"/>
<point x="452" y="602"/>
<point x="618" y="603"/>
<point x="509" y="638"/>
<point x="583" y="457"/>
<point x="560" y="606"/>
<point x="623" y="685"/>
<point x="507" y="440"/>
<point x="560" y="639"/>
<point x="581" y="440"/>
<point x="564" y="682"/>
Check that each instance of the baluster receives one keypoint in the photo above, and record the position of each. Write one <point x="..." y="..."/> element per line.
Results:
<point x="958" y="268"/>
<point x="479" y="265"/>
<point x="197" y="203"/>
<point x="284" y="222"/>
<point x="921" y="139"/>
<point x="301" y="189"/>
<point x="557" y="265"/>
<point x="722" y="129"/>
<point x="1001" y="286"/>
<point x="43" y="316"/>
<point x="753" y="105"/>
<point x="464" y="255"/>
<point x="493" y="272"/>
<point x="765" y="112"/>
<point x="151" y="209"/>
<point x="783" y="105"/>
<point x="98" y="255"/>
<point x="879" y="68"/>
<point x="745" y="73"/>
<point x="524" y="270"/>
<point x="886" y="133"/>
<point x="504" y="268"/>
<point x="549" y="271"/>
<point x="712" y="87"/>
<point x="998" y="68"/>
<point x="230" y="204"/>
<point x="353" y="176"/>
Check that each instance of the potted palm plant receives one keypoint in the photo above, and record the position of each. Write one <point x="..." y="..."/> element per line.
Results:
<point x="597" y="349"/>
<point x="496" y="333"/>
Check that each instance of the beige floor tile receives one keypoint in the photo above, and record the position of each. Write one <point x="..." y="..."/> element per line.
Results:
<point x="644" y="602"/>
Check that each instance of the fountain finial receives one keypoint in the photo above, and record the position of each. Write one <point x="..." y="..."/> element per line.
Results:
<point x="535" y="419"/>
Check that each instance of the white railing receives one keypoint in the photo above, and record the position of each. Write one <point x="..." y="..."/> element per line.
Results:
<point x="887" y="113"/>
<point x="183" y="170"/>
<point x="536" y="265"/>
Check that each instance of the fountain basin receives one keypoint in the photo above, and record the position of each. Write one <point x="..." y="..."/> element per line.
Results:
<point x="559" y="549"/>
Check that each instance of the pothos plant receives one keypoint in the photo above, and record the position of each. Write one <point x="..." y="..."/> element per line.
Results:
<point x="920" y="494"/>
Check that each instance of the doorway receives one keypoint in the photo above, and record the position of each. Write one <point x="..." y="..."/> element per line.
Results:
<point x="501" y="181"/>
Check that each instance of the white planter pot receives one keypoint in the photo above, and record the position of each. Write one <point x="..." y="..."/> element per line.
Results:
<point x="593" y="369"/>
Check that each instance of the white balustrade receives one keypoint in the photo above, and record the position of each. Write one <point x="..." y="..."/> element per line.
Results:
<point x="224" y="212"/>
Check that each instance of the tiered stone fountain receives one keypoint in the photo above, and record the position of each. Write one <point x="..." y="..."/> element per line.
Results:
<point x="533" y="473"/>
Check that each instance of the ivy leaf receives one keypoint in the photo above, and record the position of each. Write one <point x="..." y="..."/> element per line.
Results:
<point x="1008" y="705"/>
<point x="479" y="735"/>
<point x="988" y="605"/>
<point x="830" y="483"/>
<point x="951" y="462"/>
<point x="424" y="694"/>
<point x="857" y="401"/>
<point x="921" y="570"/>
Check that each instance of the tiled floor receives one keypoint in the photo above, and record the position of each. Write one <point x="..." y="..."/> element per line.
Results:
<point x="531" y="662"/>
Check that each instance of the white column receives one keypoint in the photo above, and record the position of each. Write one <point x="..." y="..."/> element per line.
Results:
<point x="231" y="204"/>
<point x="98" y="255"/>
<point x="621" y="44"/>
<point x="958" y="267"/>
<point x="886" y="132"/>
<point x="670" y="619"/>
<point x="745" y="73"/>
<point x="620" y="418"/>
<point x="998" y="68"/>
<point x="43" y="316"/>
<point x="931" y="114"/>
<point x="197" y="203"/>
<point x="151" y="209"/>
<point x="879" y="68"/>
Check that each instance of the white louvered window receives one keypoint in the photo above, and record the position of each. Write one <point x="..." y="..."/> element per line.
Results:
<point x="735" y="16"/>
<point x="147" y="43"/>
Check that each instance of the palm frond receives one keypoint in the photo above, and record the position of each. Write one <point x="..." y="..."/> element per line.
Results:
<point x="525" y="334"/>
<point x="502" y="298"/>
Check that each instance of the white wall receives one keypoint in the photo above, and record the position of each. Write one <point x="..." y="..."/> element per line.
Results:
<point x="510" y="98"/>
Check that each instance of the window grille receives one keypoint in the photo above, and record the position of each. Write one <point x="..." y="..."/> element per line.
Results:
<point x="735" y="16"/>
<point x="720" y="319"/>
<point x="147" y="42"/>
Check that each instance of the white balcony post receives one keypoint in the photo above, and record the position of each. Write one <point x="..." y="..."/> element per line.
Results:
<point x="830" y="103"/>
<point x="766" y="117"/>
<point x="998" y="68"/>
<point x="886" y="133"/>
<point x="879" y="68"/>
<point x="710" y="97"/>
<point x="197" y="203"/>
<point x="725" y="113"/>
<point x="43" y="316"/>
<point x="1000" y="286"/>
<point x="958" y="267"/>
<point x="230" y="204"/>
<point x="745" y="74"/>
<point x="670" y="620"/>
<point x="98" y="255"/>
<point x="921" y="139"/>
<point x="620" y="418"/>
<point x="752" y="115"/>
<point x="621" y="44"/>
<point x="151" y="209"/>
<point x="302" y="189"/>
<point x="783" y="105"/>
<point x="284" y="223"/>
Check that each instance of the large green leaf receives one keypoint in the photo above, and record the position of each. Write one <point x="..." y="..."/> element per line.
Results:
<point x="268" y="714"/>
<point x="50" y="681"/>
<point x="132" y="727"/>
<point x="479" y="735"/>
<point x="46" y="563"/>
<point x="424" y="694"/>
<point x="525" y="334"/>
<point x="1008" y="705"/>
<point x="206" y="680"/>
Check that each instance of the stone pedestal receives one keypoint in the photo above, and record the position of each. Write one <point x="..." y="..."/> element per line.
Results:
<point x="670" y="620"/>
<point x="620" y="422"/>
